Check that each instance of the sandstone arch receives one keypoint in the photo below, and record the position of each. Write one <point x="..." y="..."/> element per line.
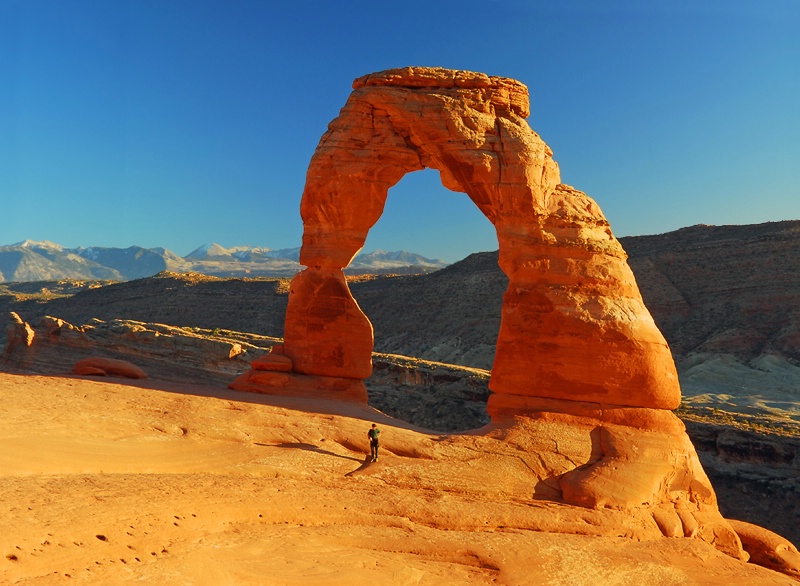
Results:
<point x="573" y="324"/>
<point x="578" y="353"/>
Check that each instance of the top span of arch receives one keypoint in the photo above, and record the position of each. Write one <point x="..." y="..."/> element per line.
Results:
<point x="469" y="126"/>
<point x="503" y="92"/>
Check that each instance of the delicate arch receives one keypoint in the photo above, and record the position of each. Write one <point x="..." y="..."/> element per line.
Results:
<point x="573" y="322"/>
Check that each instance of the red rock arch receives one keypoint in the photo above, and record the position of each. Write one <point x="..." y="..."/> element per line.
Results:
<point x="573" y="323"/>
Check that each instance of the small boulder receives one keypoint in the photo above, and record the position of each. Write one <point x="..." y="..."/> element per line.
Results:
<point x="84" y="370"/>
<point x="768" y="549"/>
<point x="19" y="332"/>
<point x="107" y="366"/>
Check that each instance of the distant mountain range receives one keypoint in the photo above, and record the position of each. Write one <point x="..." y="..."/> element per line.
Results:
<point x="46" y="261"/>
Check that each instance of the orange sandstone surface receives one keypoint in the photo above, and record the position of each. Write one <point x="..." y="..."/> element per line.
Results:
<point x="573" y="324"/>
<point x="161" y="483"/>
<point x="578" y="354"/>
<point x="96" y="366"/>
<point x="585" y="476"/>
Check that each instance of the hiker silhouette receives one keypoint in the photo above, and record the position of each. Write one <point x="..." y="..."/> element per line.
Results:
<point x="373" y="434"/>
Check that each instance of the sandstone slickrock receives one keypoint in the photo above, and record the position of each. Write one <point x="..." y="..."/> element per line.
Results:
<point x="768" y="549"/>
<point x="578" y="354"/>
<point x="753" y="473"/>
<point x="582" y="379"/>
<point x="433" y="395"/>
<point x="210" y="486"/>
<point x="166" y="352"/>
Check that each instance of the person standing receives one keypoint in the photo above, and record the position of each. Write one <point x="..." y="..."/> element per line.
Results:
<point x="373" y="434"/>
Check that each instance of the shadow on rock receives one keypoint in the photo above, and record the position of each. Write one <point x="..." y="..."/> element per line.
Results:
<point x="308" y="448"/>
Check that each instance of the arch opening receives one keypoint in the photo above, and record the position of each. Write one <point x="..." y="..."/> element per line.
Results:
<point x="424" y="217"/>
<point x="447" y="316"/>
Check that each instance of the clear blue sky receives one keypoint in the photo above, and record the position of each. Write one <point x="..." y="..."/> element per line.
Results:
<point x="176" y="123"/>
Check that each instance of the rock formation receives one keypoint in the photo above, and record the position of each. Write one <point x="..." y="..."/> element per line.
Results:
<point x="129" y="348"/>
<point x="768" y="549"/>
<point x="573" y="324"/>
<point x="95" y="366"/>
<point x="153" y="482"/>
<point x="583" y="381"/>
<point x="753" y="473"/>
<point x="578" y="354"/>
<point x="19" y="333"/>
<point x="433" y="395"/>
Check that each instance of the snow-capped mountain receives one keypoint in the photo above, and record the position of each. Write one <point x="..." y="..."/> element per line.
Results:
<point x="213" y="251"/>
<point x="39" y="245"/>
<point x="133" y="262"/>
<point x="210" y="251"/>
<point x="46" y="261"/>
<point x="383" y="260"/>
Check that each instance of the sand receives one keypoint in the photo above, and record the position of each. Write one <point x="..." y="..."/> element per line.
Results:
<point x="118" y="482"/>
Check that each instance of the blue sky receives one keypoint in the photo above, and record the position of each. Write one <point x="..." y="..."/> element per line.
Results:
<point x="176" y="123"/>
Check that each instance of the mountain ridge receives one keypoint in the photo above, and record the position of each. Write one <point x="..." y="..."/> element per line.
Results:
<point x="31" y="260"/>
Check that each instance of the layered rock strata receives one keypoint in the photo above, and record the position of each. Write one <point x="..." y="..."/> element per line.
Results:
<point x="129" y="348"/>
